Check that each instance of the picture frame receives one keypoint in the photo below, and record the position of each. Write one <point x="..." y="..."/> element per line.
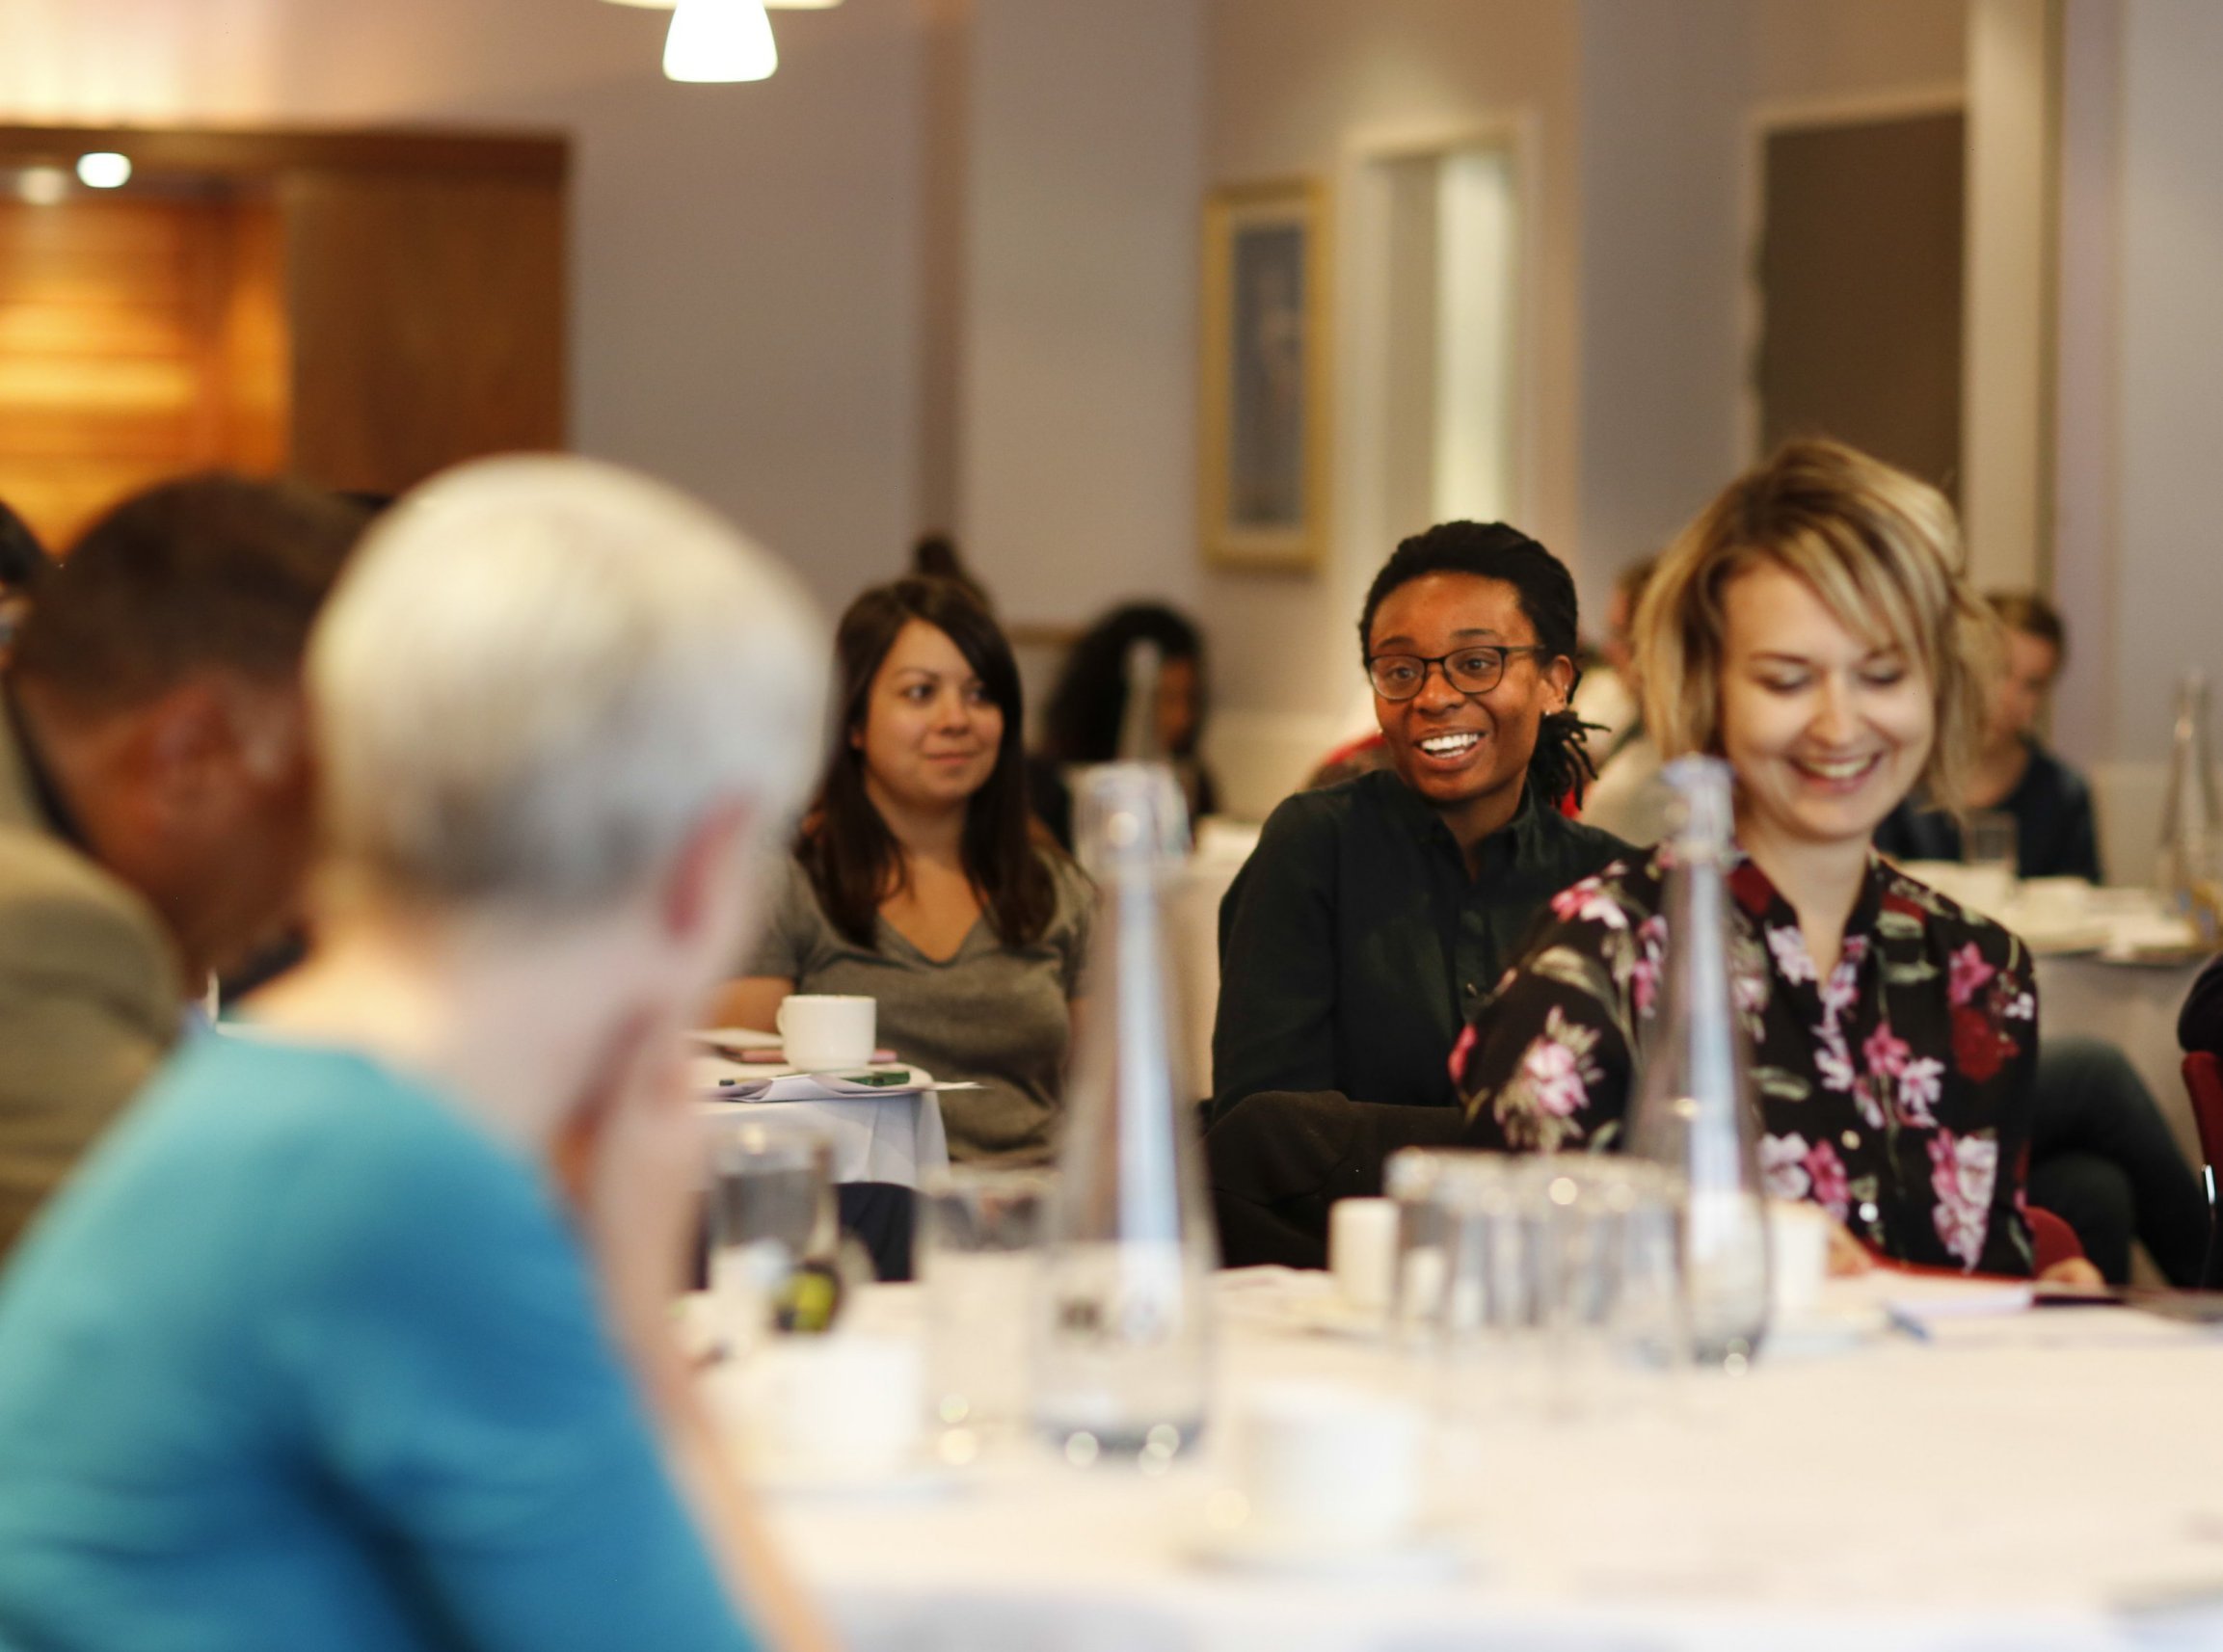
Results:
<point x="1263" y="424"/>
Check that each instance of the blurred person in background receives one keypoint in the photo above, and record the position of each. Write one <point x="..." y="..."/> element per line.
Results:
<point x="1375" y="914"/>
<point x="2101" y="1156"/>
<point x="154" y="794"/>
<point x="1089" y="719"/>
<point x="1606" y="698"/>
<point x="1629" y="798"/>
<point x="1812" y="627"/>
<point x="356" y="1332"/>
<point x="920" y="879"/>
<point x="23" y="565"/>
<point x="2056" y="832"/>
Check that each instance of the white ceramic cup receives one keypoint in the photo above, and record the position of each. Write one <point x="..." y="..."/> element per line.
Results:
<point x="1799" y="1237"/>
<point x="1362" y="1250"/>
<point x="1328" y="1466"/>
<point x="824" y="1030"/>
<point x="836" y="1406"/>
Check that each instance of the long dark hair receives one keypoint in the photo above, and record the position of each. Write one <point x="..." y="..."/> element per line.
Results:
<point x="1492" y="550"/>
<point x="853" y="859"/>
<point x="1081" y="725"/>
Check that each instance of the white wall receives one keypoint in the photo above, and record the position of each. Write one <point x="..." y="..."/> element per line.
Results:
<point x="1080" y="308"/>
<point x="1664" y="95"/>
<point x="2168" y="571"/>
<point x="744" y="312"/>
<point x="1313" y="88"/>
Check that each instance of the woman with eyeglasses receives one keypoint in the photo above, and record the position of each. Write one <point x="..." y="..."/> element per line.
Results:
<point x="1377" y="912"/>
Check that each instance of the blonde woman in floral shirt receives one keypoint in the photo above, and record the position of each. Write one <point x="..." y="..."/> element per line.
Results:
<point x="1813" y="628"/>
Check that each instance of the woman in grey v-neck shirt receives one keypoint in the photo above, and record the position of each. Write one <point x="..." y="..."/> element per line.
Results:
<point x="920" y="879"/>
<point x="993" y="1013"/>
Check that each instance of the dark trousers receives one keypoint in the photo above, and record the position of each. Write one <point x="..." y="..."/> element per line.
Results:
<point x="2101" y="1158"/>
<point x="1279" y="1159"/>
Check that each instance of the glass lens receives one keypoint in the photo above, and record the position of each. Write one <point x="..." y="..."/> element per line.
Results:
<point x="1470" y="671"/>
<point x="1397" y="675"/>
<point x="1476" y="670"/>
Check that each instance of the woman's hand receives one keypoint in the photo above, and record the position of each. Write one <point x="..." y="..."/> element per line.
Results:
<point x="2076" y="1270"/>
<point x="630" y="1160"/>
<point x="1848" y="1256"/>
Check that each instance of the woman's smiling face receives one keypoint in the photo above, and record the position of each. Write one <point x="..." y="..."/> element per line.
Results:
<point x="1465" y="752"/>
<point x="1825" y="730"/>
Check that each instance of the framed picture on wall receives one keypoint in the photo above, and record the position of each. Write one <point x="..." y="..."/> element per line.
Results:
<point x="1263" y="412"/>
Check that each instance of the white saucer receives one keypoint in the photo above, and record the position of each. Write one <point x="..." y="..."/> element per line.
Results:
<point x="1426" y="1556"/>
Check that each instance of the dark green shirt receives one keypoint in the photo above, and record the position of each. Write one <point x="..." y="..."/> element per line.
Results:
<point x="1354" y="945"/>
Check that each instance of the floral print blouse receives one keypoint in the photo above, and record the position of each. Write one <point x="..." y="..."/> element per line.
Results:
<point x="1895" y="1094"/>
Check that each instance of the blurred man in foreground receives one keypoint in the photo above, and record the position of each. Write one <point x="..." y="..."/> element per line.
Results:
<point x="355" y="1334"/>
<point x="154" y="815"/>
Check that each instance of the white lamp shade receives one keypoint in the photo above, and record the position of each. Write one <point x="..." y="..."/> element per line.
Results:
<point x="769" y="5"/>
<point x="720" y="41"/>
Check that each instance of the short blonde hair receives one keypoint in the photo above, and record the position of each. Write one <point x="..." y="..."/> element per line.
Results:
<point x="540" y="673"/>
<point x="1881" y="549"/>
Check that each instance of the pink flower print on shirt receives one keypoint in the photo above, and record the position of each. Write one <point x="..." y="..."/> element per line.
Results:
<point x="1459" y="1052"/>
<point x="1828" y="1187"/>
<point x="1793" y="962"/>
<point x="1783" y="1166"/>
<point x="1557" y="1068"/>
<point x="1921" y="1081"/>
<point x="1963" y="1171"/>
<point x="1843" y="987"/>
<point x="1968" y="973"/>
<point x="1643" y="974"/>
<point x="1884" y="1051"/>
<point x="1586" y="902"/>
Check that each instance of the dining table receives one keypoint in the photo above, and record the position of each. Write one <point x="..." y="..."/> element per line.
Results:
<point x="2035" y="1478"/>
<point x="896" y="1136"/>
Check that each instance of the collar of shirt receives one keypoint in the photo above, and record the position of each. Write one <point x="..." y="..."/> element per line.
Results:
<point x="42" y="791"/>
<point x="1512" y="845"/>
<point x="1782" y="942"/>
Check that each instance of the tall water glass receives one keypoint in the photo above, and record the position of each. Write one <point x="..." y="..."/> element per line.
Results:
<point x="980" y="1257"/>
<point x="771" y="1210"/>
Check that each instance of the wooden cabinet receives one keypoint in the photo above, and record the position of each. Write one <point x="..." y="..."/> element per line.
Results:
<point x="361" y="309"/>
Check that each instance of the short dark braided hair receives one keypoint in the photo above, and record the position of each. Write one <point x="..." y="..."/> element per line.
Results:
<point x="1561" y="764"/>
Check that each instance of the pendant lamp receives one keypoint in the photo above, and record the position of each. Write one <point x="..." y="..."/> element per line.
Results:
<point x="720" y="41"/>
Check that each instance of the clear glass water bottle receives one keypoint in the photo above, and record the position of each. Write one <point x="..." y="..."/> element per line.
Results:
<point x="2190" y="868"/>
<point x="1123" y="1331"/>
<point x="1695" y="1110"/>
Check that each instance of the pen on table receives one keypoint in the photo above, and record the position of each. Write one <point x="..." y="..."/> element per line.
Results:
<point x="1899" y="1319"/>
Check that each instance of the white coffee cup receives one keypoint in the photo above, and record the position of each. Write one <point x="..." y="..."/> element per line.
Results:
<point x="1328" y="1466"/>
<point x="834" y="1406"/>
<point x="824" y="1030"/>
<point x="1362" y="1250"/>
<point x="1799" y="1237"/>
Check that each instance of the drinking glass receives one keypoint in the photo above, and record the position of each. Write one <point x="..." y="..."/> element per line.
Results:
<point x="771" y="1210"/>
<point x="1545" y="1282"/>
<point x="1991" y="849"/>
<point x="980" y="1256"/>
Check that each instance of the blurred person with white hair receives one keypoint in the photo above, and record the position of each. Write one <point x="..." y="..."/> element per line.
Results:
<point x="355" y="1333"/>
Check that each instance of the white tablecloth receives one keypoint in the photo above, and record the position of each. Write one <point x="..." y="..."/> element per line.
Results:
<point x="1974" y="1495"/>
<point x="2132" y="1006"/>
<point x="876" y="1138"/>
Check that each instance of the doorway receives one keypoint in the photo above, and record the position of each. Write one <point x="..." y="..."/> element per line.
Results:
<point x="1859" y="277"/>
